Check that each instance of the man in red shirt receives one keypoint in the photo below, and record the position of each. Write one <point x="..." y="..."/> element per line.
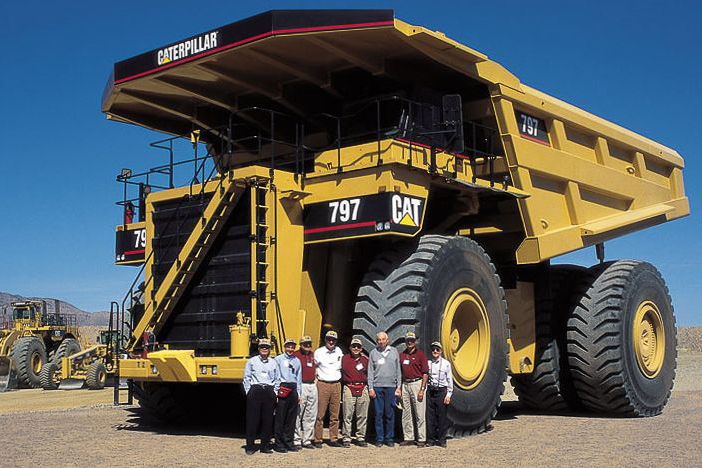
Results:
<point x="304" y="429"/>
<point x="354" y="375"/>
<point x="415" y="374"/>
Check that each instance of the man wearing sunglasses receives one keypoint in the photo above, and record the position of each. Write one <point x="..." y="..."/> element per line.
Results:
<point x="328" y="359"/>
<point x="261" y="383"/>
<point x="439" y="397"/>
<point x="384" y="386"/>
<point x="415" y="371"/>
<point x="354" y="372"/>
<point x="304" y="431"/>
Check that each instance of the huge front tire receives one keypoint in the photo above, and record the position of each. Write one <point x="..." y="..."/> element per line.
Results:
<point x="30" y="356"/>
<point x="445" y="289"/>
<point x="621" y="340"/>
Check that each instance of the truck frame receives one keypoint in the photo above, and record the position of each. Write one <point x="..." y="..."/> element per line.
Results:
<point x="349" y="170"/>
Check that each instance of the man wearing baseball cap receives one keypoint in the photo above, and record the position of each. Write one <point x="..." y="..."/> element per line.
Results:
<point x="415" y="369"/>
<point x="304" y="430"/>
<point x="354" y="375"/>
<point x="440" y="391"/>
<point x="328" y="359"/>
<point x="288" y="397"/>
<point x="261" y="382"/>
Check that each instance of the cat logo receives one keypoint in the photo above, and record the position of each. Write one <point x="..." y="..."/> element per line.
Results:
<point x="405" y="210"/>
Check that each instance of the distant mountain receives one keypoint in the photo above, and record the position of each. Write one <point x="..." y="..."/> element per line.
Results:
<point x="97" y="319"/>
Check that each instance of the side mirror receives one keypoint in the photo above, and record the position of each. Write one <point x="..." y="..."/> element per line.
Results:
<point x="452" y="106"/>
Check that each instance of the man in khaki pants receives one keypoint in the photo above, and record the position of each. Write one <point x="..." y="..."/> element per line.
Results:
<point x="415" y="374"/>
<point x="354" y="375"/>
<point x="328" y="359"/>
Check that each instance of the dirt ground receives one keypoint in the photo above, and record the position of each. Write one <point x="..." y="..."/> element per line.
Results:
<point x="81" y="428"/>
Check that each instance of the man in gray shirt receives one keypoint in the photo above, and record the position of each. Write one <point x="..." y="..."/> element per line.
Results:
<point x="384" y="386"/>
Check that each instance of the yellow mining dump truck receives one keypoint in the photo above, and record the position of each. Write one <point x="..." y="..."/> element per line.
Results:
<point x="30" y="337"/>
<point x="348" y="169"/>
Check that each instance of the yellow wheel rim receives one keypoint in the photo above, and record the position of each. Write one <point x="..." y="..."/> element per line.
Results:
<point x="36" y="363"/>
<point x="465" y="337"/>
<point x="649" y="339"/>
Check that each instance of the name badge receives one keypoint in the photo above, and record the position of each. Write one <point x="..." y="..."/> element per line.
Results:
<point x="406" y="362"/>
<point x="381" y="361"/>
<point x="309" y="364"/>
<point x="359" y="366"/>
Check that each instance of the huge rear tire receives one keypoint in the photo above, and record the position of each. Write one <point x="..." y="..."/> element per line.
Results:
<point x="621" y="340"/>
<point x="30" y="356"/>
<point x="550" y="388"/>
<point x="68" y="347"/>
<point x="445" y="289"/>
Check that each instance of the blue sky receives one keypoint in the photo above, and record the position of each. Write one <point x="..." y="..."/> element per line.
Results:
<point x="635" y="63"/>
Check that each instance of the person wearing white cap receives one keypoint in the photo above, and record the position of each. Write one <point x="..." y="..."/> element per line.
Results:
<point x="328" y="359"/>
<point x="261" y="382"/>
<point x="304" y="431"/>
<point x="439" y="397"/>
<point x="288" y="397"/>
<point x="354" y="374"/>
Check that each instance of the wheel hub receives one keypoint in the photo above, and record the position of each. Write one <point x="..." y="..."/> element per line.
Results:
<point x="649" y="339"/>
<point x="465" y="336"/>
<point x="36" y="363"/>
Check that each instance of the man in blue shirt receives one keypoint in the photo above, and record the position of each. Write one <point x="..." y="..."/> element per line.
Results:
<point x="261" y="382"/>
<point x="290" y="370"/>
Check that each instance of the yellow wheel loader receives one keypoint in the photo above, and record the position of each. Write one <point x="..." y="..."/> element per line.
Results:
<point x="30" y="337"/>
<point x="345" y="168"/>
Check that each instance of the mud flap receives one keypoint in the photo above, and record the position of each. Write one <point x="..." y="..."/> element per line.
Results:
<point x="71" y="384"/>
<point x="8" y="374"/>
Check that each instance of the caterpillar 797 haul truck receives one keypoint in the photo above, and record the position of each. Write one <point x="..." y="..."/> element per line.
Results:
<point x="347" y="169"/>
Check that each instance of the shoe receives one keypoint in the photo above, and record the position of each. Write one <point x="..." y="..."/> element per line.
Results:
<point x="266" y="450"/>
<point x="317" y="444"/>
<point x="421" y="444"/>
<point x="280" y="449"/>
<point x="430" y="443"/>
<point x="335" y="443"/>
<point x="378" y="444"/>
<point x="406" y="443"/>
<point x="346" y="444"/>
<point x="308" y="446"/>
<point x="442" y="444"/>
<point x="250" y="451"/>
<point x="293" y="448"/>
<point x="390" y="443"/>
<point x="362" y="443"/>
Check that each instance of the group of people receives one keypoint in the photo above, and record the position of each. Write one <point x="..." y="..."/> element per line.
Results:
<point x="290" y="395"/>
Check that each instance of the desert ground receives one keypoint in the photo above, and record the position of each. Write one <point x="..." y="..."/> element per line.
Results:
<point x="79" y="428"/>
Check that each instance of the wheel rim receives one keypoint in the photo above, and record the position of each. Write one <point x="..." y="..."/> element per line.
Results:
<point x="101" y="377"/>
<point x="649" y="339"/>
<point x="465" y="337"/>
<point x="36" y="363"/>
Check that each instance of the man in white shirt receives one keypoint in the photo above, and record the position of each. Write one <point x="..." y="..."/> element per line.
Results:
<point x="328" y="359"/>
<point x="439" y="397"/>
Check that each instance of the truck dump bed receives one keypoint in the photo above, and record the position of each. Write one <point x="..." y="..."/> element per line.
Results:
<point x="586" y="180"/>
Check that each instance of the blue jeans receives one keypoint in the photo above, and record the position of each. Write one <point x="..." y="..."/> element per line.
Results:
<point x="384" y="405"/>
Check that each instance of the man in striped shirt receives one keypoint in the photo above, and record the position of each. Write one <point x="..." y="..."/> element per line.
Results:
<point x="439" y="397"/>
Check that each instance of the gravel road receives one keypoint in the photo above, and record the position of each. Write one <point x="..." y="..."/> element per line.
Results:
<point x="81" y="428"/>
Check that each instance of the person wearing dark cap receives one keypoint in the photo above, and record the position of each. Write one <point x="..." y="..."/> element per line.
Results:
<point x="261" y="382"/>
<point x="415" y="371"/>
<point x="304" y="430"/>
<point x="354" y="375"/>
<point x="384" y="387"/>
<point x="288" y="397"/>
<point x="439" y="397"/>
<point x="328" y="359"/>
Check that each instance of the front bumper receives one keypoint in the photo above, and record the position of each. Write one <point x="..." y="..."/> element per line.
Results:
<point x="183" y="366"/>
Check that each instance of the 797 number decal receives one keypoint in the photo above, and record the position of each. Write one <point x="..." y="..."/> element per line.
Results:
<point x="344" y="210"/>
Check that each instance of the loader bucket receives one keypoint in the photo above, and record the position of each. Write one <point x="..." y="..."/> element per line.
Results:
<point x="8" y="376"/>
<point x="71" y="384"/>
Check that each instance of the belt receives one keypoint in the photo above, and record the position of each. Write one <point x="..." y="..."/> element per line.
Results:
<point x="355" y="383"/>
<point x="412" y="380"/>
<point x="328" y="381"/>
<point x="308" y="381"/>
<point x="436" y="388"/>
